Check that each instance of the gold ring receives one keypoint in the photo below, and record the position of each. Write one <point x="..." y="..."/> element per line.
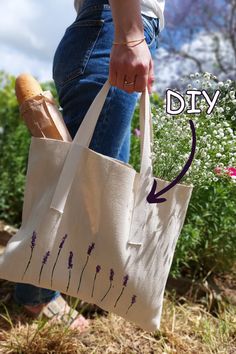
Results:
<point x="128" y="83"/>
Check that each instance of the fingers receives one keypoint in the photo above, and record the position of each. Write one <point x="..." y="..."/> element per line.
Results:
<point x="131" y="69"/>
<point x="141" y="78"/>
<point x="151" y="77"/>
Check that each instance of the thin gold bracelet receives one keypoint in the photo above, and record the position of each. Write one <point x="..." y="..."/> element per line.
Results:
<point x="136" y="40"/>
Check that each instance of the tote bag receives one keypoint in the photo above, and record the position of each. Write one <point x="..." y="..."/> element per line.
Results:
<point x="87" y="228"/>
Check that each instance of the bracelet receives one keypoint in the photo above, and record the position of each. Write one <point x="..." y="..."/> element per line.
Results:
<point x="135" y="40"/>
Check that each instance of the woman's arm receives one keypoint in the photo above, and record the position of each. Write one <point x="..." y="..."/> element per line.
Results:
<point x="133" y="64"/>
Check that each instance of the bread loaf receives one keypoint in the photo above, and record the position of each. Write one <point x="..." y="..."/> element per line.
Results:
<point x="39" y="110"/>
<point x="26" y="87"/>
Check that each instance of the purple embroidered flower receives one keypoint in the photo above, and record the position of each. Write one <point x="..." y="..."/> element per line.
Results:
<point x="32" y="246"/>
<point x="63" y="241"/>
<point x="44" y="261"/>
<point x="33" y="240"/>
<point x="90" y="248"/>
<point x="98" y="268"/>
<point x="58" y="254"/>
<point x="125" y="281"/>
<point x="45" y="258"/>
<point x="111" y="277"/>
<point x="133" y="301"/>
<point x="111" y="274"/>
<point x="70" y="266"/>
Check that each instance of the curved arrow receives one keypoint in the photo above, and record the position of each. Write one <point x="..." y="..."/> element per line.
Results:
<point x="152" y="197"/>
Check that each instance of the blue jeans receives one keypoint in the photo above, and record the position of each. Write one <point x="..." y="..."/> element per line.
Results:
<point x="80" y="68"/>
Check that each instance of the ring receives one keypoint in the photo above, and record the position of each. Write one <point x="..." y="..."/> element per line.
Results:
<point x="128" y="83"/>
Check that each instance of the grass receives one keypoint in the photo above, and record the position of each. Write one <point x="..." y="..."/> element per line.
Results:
<point x="186" y="327"/>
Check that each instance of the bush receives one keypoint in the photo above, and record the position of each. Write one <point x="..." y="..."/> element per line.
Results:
<point x="14" y="147"/>
<point x="207" y="241"/>
<point x="208" y="238"/>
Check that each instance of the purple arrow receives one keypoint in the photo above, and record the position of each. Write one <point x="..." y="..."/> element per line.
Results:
<point x="152" y="197"/>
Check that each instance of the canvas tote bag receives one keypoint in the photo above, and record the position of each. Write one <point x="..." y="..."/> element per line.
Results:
<point x="87" y="227"/>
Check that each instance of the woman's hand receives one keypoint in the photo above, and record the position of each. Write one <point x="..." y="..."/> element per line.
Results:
<point x="131" y="65"/>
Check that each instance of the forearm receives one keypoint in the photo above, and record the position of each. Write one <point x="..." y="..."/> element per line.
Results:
<point x="127" y="19"/>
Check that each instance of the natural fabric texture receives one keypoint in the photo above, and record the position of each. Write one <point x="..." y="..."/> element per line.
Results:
<point x="88" y="229"/>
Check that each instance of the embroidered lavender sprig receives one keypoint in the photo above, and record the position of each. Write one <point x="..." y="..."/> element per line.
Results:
<point x="98" y="268"/>
<point x="70" y="266"/>
<point x="125" y="281"/>
<point x="111" y="281"/>
<point x="44" y="261"/>
<point x="58" y="254"/>
<point x="90" y="249"/>
<point x="32" y="246"/>
<point x="133" y="301"/>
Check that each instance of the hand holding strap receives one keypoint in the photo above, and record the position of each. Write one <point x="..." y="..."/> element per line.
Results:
<point x="84" y="136"/>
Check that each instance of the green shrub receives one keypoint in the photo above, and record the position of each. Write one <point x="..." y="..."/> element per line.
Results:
<point x="14" y="147"/>
<point x="208" y="239"/>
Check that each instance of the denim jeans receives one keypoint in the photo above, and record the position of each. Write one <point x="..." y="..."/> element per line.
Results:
<point x="80" y="68"/>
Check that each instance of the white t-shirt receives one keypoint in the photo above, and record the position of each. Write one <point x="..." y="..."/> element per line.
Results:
<point x="152" y="8"/>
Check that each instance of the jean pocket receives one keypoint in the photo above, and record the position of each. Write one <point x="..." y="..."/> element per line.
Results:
<point x="150" y="26"/>
<point x="74" y="50"/>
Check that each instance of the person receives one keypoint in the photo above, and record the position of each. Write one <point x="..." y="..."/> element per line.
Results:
<point x="115" y="39"/>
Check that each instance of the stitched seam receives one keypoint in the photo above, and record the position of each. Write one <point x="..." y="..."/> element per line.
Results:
<point x="80" y="71"/>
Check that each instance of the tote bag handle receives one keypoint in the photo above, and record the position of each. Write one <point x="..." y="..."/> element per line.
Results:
<point x="84" y="136"/>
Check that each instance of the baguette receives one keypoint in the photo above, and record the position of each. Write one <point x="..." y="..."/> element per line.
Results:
<point x="39" y="110"/>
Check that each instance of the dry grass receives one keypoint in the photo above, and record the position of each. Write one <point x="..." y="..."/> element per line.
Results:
<point x="185" y="328"/>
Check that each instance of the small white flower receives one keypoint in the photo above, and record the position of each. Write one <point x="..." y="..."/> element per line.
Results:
<point x="218" y="154"/>
<point x="197" y="163"/>
<point x="220" y="109"/>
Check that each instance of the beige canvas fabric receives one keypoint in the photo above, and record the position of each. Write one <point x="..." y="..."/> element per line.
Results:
<point x="87" y="228"/>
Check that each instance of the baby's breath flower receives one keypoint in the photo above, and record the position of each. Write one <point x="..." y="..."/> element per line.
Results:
<point x="215" y="137"/>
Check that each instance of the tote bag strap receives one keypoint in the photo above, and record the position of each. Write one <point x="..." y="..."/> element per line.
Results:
<point x="84" y="136"/>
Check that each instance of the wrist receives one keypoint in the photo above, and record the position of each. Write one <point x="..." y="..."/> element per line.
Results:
<point x="128" y="34"/>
